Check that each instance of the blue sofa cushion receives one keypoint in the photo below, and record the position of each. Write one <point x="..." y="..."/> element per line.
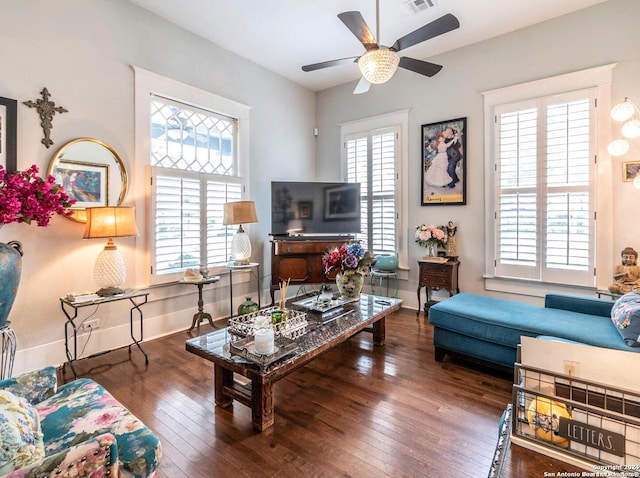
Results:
<point x="625" y="315"/>
<point x="504" y="321"/>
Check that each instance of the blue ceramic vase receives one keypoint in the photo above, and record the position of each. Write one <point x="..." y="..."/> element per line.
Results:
<point x="10" y="269"/>
<point x="386" y="263"/>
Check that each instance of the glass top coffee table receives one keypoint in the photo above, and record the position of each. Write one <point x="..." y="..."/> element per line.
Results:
<point x="320" y="334"/>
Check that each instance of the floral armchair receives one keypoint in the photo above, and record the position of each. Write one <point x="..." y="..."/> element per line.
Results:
<point x="83" y="431"/>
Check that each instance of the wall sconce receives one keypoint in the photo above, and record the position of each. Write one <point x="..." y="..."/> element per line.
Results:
<point x="625" y="111"/>
<point x="240" y="212"/>
<point x="109" y="222"/>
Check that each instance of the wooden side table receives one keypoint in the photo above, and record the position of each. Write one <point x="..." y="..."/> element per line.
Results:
<point x="201" y="314"/>
<point x="436" y="276"/>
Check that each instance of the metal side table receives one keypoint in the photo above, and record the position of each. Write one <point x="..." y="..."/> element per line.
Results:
<point x="137" y="300"/>
<point x="8" y="352"/>
<point x="380" y="276"/>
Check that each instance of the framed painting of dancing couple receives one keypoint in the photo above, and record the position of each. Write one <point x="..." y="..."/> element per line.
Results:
<point x="444" y="163"/>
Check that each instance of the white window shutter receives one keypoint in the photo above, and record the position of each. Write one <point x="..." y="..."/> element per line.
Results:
<point x="372" y="161"/>
<point x="544" y="178"/>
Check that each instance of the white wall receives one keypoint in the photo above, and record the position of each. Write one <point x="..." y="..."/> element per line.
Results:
<point x="603" y="34"/>
<point x="82" y="51"/>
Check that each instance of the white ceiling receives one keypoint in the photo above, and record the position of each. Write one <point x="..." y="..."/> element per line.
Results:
<point x="283" y="35"/>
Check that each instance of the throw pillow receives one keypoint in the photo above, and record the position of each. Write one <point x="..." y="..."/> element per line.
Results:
<point x="20" y="434"/>
<point x="625" y="315"/>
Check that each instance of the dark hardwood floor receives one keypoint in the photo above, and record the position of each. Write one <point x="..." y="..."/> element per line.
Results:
<point x="356" y="411"/>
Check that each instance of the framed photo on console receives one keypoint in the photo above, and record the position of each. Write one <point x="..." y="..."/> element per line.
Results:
<point x="443" y="163"/>
<point x="8" y="134"/>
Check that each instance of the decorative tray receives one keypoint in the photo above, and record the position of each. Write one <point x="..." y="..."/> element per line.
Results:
<point x="318" y="304"/>
<point x="245" y="348"/>
<point x="294" y="326"/>
<point x="434" y="259"/>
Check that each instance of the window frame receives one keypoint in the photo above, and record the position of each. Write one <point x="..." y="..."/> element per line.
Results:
<point x="147" y="85"/>
<point x="599" y="79"/>
<point x="399" y="120"/>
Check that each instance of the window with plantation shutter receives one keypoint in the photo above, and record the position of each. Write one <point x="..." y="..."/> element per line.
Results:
<point x="194" y="170"/>
<point x="544" y="188"/>
<point x="371" y="160"/>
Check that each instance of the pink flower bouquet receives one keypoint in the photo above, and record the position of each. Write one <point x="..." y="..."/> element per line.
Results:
<point x="26" y="197"/>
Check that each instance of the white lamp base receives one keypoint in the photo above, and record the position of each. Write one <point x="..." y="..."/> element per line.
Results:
<point x="241" y="247"/>
<point x="109" y="271"/>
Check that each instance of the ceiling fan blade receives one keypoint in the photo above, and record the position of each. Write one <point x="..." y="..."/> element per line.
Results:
<point x="362" y="86"/>
<point x="327" y="64"/>
<point x="437" y="27"/>
<point x="355" y="22"/>
<point x="423" y="67"/>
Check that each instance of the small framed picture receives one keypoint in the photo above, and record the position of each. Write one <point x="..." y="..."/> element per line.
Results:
<point x="443" y="163"/>
<point x="630" y="170"/>
<point x="87" y="183"/>
<point x="305" y="209"/>
<point x="8" y="134"/>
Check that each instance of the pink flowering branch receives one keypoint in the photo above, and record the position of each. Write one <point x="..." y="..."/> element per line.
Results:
<point x="26" y="197"/>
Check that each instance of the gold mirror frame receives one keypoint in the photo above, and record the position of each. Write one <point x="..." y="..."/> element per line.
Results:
<point x="104" y="175"/>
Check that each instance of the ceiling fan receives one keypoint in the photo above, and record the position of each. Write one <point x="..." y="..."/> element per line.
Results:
<point x="379" y="63"/>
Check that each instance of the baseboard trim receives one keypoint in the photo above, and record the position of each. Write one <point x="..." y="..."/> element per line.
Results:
<point x="112" y="338"/>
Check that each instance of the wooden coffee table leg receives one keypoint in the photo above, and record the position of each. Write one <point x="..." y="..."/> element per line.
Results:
<point x="262" y="409"/>
<point x="222" y="378"/>
<point x="379" y="332"/>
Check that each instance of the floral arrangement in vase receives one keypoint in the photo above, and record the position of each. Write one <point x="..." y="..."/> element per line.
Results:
<point x="26" y="197"/>
<point x="431" y="237"/>
<point x="348" y="259"/>
<point x="352" y="263"/>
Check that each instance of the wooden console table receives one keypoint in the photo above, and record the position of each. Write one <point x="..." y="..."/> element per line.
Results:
<point x="299" y="261"/>
<point x="436" y="276"/>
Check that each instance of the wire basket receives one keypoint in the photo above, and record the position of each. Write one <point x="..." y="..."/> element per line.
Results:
<point x="294" y="326"/>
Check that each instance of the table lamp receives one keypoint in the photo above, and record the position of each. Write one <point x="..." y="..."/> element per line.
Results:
<point x="240" y="212"/>
<point x="110" y="271"/>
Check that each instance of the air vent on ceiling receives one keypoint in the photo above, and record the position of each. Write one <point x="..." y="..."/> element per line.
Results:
<point x="418" y="6"/>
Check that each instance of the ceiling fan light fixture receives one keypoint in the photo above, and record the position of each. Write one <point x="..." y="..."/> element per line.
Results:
<point x="378" y="66"/>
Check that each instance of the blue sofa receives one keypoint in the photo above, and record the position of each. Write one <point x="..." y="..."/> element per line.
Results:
<point x="489" y="329"/>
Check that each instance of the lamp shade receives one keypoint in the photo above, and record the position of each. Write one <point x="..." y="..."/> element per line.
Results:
<point x="623" y="111"/>
<point x="631" y="129"/>
<point x="378" y="66"/>
<point x="239" y="212"/>
<point x="618" y="147"/>
<point x="110" y="270"/>
<point x="110" y="221"/>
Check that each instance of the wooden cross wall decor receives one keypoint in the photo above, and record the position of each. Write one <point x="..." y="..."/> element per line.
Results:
<point x="46" y="109"/>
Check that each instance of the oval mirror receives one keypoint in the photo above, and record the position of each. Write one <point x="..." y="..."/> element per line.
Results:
<point x="92" y="173"/>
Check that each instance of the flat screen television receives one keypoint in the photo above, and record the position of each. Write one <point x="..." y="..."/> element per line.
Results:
<point x="314" y="208"/>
